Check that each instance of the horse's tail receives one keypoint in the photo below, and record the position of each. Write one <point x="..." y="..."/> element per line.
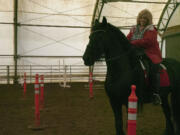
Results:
<point x="174" y="72"/>
<point x="175" y="102"/>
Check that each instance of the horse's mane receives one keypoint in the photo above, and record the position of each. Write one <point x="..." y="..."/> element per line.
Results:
<point x="120" y="35"/>
<point x="125" y="43"/>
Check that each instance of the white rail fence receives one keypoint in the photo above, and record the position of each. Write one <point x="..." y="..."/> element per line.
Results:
<point x="52" y="73"/>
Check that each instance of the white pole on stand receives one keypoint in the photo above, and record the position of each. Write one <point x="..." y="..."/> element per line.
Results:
<point x="64" y="82"/>
<point x="59" y="73"/>
<point x="64" y="75"/>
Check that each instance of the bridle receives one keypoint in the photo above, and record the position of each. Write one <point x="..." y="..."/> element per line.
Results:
<point x="114" y="58"/>
<point x="96" y="32"/>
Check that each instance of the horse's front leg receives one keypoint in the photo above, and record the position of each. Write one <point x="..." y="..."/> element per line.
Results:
<point x="117" y="109"/>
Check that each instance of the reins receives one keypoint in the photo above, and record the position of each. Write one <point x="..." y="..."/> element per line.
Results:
<point x="118" y="57"/>
<point x="114" y="58"/>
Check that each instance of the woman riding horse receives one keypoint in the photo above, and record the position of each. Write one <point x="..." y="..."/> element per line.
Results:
<point x="124" y="69"/>
<point x="144" y="35"/>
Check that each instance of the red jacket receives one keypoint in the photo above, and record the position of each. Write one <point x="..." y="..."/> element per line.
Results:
<point x="149" y="43"/>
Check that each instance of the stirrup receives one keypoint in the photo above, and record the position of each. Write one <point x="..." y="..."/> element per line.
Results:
<point x="156" y="99"/>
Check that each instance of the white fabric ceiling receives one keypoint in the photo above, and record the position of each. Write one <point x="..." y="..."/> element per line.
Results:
<point x="61" y="27"/>
<point x="125" y="13"/>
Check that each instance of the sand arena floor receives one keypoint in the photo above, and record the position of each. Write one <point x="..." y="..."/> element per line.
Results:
<point x="68" y="111"/>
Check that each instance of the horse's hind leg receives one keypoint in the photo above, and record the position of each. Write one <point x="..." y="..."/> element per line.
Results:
<point x="175" y="100"/>
<point x="167" y="112"/>
<point x="117" y="109"/>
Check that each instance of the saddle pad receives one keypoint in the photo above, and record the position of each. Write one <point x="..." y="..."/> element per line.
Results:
<point x="164" y="78"/>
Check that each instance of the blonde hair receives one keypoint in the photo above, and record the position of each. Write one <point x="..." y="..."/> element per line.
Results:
<point x="147" y="14"/>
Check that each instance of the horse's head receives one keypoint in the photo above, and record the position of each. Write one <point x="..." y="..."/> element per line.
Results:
<point x="96" y="45"/>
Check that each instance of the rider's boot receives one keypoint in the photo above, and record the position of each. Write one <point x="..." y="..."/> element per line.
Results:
<point x="156" y="88"/>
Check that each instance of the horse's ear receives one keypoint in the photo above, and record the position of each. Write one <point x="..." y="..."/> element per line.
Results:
<point x="96" y="22"/>
<point x="104" y="21"/>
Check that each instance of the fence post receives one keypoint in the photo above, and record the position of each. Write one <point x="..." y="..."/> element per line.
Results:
<point x="8" y="80"/>
<point x="91" y="82"/>
<point x="30" y="74"/>
<point x="70" y="73"/>
<point x="51" y="73"/>
<point x="24" y="84"/>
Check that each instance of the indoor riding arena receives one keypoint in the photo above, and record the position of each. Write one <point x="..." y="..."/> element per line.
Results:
<point x="45" y="84"/>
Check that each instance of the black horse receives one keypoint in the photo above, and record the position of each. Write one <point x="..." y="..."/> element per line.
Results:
<point x="124" y="69"/>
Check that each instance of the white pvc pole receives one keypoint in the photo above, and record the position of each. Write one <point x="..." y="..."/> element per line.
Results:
<point x="59" y="73"/>
<point x="64" y="73"/>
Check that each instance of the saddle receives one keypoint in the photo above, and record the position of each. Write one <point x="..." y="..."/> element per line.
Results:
<point x="164" y="78"/>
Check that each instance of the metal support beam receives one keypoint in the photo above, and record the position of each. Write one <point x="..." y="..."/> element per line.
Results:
<point x="58" y="26"/>
<point x="165" y="17"/>
<point x="97" y="10"/>
<point x="15" y="40"/>
<point x="135" y="1"/>
<point x="96" y="15"/>
<point x="48" y="56"/>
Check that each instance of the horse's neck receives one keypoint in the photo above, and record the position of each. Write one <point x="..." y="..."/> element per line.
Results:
<point x="118" y="55"/>
<point x="118" y="63"/>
